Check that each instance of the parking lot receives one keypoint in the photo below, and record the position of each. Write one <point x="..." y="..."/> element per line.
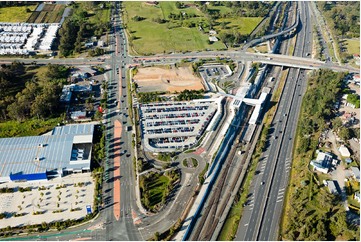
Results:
<point x="209" y="73"/>
<point x="175" y="125"/>
<point x="52" y="200"/>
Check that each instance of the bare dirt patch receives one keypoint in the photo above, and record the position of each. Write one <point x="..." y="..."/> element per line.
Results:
<point x="151" y="79"/>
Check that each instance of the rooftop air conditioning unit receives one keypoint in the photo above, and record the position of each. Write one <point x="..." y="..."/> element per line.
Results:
<point x="37" y="159"/>
<point x="41" y="145"/>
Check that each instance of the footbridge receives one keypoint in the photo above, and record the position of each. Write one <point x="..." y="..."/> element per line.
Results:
<point x="257" y="103"/>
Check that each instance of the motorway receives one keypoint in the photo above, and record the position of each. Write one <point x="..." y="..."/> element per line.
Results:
<point x="261" y="221"/>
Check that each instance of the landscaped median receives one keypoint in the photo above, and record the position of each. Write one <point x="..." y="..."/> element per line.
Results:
<point x="155" y="187"/>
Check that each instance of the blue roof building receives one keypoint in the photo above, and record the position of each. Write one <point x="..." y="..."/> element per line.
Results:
<point x="66" y="150"/>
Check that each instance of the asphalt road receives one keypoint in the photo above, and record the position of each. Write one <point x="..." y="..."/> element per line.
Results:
<point x="269" y="185"/>
<point x="274" y="59"/>
<point x="124" y="229"/>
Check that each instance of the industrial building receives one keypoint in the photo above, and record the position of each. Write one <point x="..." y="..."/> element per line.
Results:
<point x="65" y="151"/>
<point x="323" y="162"/>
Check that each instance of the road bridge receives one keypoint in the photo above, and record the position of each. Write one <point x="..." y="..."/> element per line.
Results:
<point x="271" y="36"/>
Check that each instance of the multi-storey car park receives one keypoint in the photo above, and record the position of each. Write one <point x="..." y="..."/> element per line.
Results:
<point x="169" y="126"/>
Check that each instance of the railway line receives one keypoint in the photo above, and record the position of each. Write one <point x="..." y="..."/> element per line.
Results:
<point x="220" y="195"/>
<point x="225" y="184"/>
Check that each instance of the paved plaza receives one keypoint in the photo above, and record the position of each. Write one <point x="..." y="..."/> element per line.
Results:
<point x="76" y="192"/>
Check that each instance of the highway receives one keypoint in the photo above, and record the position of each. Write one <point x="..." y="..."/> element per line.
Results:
<point x="271" y="36"/>
<point x="261" y="221"/>
<point x="273" y="59"/>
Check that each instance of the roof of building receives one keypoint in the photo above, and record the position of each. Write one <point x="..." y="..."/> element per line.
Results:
<point x="38" y="154"/>
<point x="84" y="129"/>
<point x="213" y="38"/>
<point x="332" y="187"/>
<point x="356" y="171"/>
<point x="212" y="32"/>
<point x="324" y="159"/>
<point x="344" y="151"/>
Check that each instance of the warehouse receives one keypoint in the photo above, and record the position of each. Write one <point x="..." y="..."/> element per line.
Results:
<point x="66" y="150"/>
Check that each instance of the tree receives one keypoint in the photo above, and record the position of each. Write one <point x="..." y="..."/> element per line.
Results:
<point x="354" y="99"/>
<point x="344" y="133"/>
<point x="137" y="18"/>
<point x="98" y="115"/>
<point x="156" y="236"/>
<point x="304" y="145"/>
<point x="83" y="14"/>
<point x="179" y="5"/>
<point x="336" y="123"/>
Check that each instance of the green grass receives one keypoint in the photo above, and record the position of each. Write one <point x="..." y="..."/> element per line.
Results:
<point x="244" y="25"/>
<point x="194" y="162"/>
<point x="156" y="189"/>
<point x="27" y="128"/>
<point x="353" y="46"/>
<point x="169" y="7"/>
<point x="99" y="16"/>
<point x="15" y="14"/>
<point x="220" y="9"/>
<point x="151" y="37"/>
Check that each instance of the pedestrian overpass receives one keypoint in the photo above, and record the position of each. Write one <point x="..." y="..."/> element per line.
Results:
<point x="257" y="103"/>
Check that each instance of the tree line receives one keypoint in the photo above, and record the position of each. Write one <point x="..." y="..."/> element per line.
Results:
<point x="344" y="16"/>
<point x="76" y="29"/>
<point x="37" y="97"/>
<point x="313" y="213"/>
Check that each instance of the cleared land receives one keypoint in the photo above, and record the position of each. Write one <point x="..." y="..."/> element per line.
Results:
<point x="150" y="37"/>
<point x="51" y="13"/>
<point x="99" y="16"/>
<point x="15" y="14"/>
<point x="153" y="79"/>
<point x="353" y="46"/>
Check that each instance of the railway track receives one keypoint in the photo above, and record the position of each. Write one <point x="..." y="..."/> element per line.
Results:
<point x="222" y="190"/>
<point x="220" y="195"/>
